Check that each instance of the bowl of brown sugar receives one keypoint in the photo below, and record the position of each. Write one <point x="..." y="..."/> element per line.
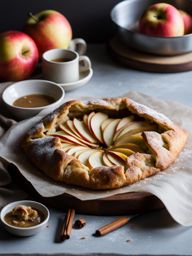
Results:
<point x="27" y="98"/>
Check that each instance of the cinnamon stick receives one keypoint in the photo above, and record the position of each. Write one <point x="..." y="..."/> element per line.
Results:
<point x="80" y="223"/>
<point x="67" y="225"/>
<point x="111" y="226"/>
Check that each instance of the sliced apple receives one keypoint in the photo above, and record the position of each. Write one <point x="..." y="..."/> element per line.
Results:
<point x="134" y="128"/>
<point x="95" y="159"/>
<point x="124" y="121"/>
<point x="136" y="139"/>
<point x="77" y="136"/>
<point x="127" y="137"/>
<point x="84" y="156"/>
<point x="106" y="161"/>
<point x="64" y="127"/>
<point x="125" y="128"/>
<point x="95" y="125"/>
<point x="76" y="154"/>
<point x="68" y="138"/>
<point x="83" y="131"/>
<point x="109" y="131"/>
<point x="118" y="132"/>
<point x="75" y="149"/>
<point x="129" y="147"/>
<point x="114" y="160"/>
<point x="89" y="120"/>
<point x="129" y="126"/>
<point x="125" y="151"/>
<point x="71" y="127"/>
<point x="118" y="155"/>
<point x="105" y="123"/>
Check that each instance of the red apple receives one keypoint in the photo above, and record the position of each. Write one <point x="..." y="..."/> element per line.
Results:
<point x="163" y="20"/>
<point x="49" y="29"/>
<point x="18" y="56"/>
<point x="187" y="19"/>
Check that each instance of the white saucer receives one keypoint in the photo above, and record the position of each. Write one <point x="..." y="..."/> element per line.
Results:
<point x="85" y="76"/>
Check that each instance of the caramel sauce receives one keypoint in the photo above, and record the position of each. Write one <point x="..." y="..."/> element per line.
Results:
<point x="33" y="101"/>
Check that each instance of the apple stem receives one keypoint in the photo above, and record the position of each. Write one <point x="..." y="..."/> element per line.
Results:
<point x="32" y="16"/>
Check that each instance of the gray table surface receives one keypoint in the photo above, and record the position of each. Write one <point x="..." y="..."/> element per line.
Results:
<point x="152" y="233"/>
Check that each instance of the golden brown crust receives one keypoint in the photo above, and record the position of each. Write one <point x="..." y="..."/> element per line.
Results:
<point x="47" y="154"/>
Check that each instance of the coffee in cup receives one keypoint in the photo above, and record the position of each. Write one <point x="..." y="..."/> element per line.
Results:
<point x="63" y="66"/>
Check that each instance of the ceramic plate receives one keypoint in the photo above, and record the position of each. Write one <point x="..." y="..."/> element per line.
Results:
<point x="83" y="79"/>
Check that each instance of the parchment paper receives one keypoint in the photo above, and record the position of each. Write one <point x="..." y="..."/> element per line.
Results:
<point x="172" y="187"/>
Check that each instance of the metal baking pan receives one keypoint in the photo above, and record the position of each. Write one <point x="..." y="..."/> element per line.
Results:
<point x="125" y="16"/>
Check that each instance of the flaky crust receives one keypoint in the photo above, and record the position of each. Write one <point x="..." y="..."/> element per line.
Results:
<point x="46" y="152"/>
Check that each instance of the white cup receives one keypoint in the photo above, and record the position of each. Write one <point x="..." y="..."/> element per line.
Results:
<point x="63" y="66"/>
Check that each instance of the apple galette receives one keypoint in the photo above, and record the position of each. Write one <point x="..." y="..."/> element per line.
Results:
<point x="103" y="144"/>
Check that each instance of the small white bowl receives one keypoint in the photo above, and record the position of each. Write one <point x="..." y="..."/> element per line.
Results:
<point x="27" y="231"/>
<point x="27" y="87"/>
